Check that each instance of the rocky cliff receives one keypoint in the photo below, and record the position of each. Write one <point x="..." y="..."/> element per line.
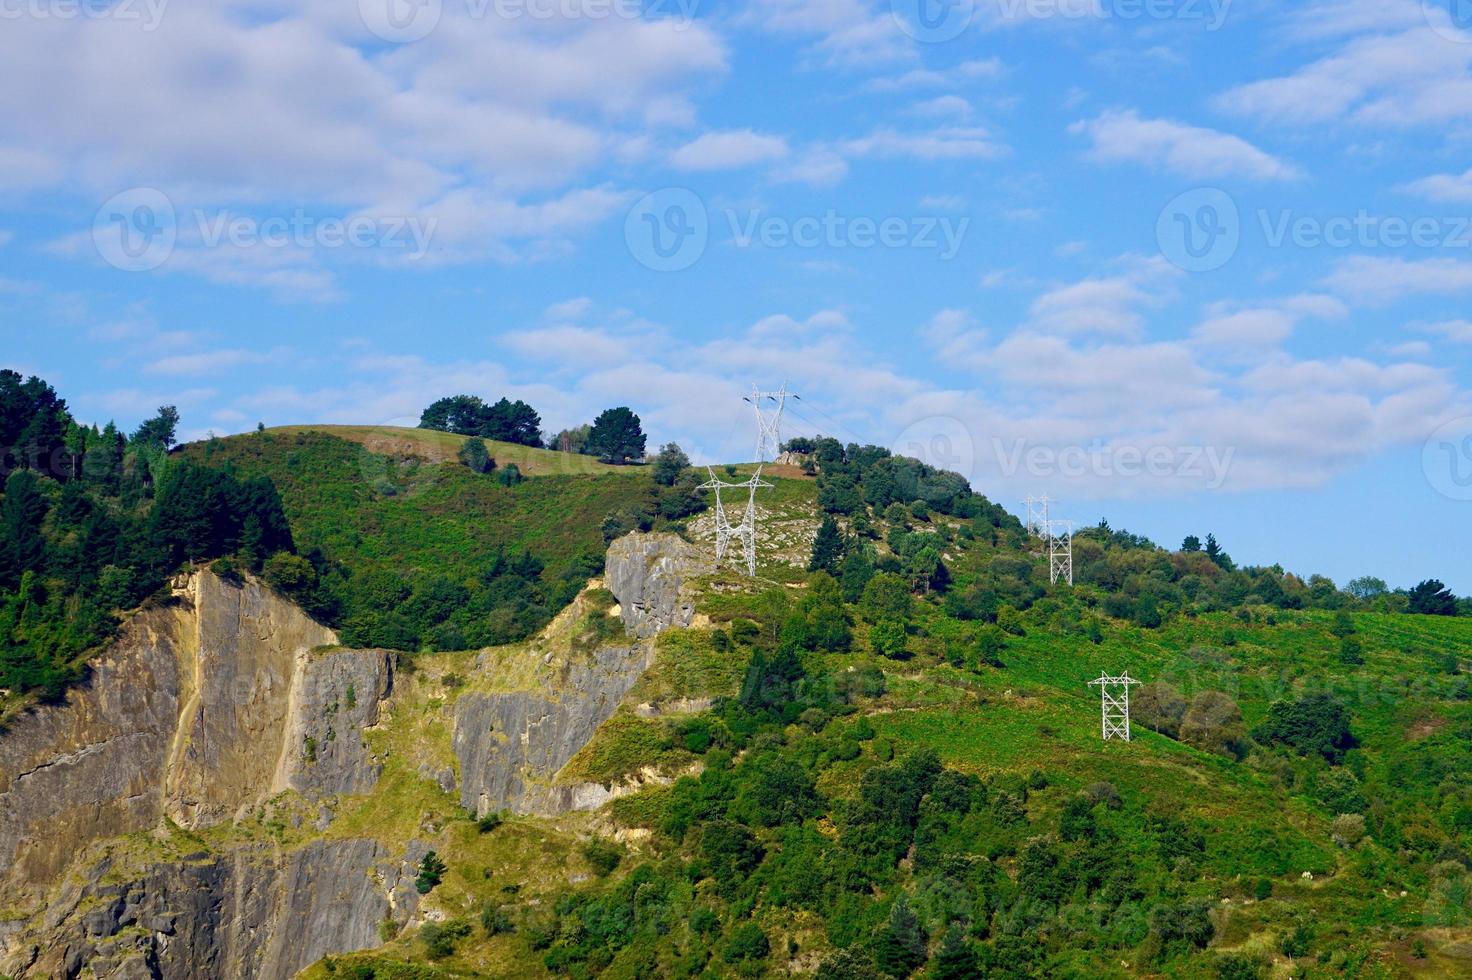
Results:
<point x="206" y="705"/>
<point x="510" y="745"/>
<point x="175" y="817"/>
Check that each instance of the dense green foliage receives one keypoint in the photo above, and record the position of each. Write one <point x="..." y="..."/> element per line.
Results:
<point x="467" y="415"/>
<point x="92" y="523"/>
<point x="616" y="437"/>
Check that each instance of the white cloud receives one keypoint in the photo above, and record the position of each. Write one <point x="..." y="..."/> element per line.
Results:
<point x="1389" y="77"/>
<point x="966" y="71"/>
<point x="1376" y="280"/>
<point x="1249" y="330"/>
<point x="210" y="362"/>
<point x="1443" y="188"/>
<point x="1166" y="145"/>
<point x="1456" y="331"/>
<point x="727" y="150"/>
<point x="942" y="202"/>
<point x="950" y="143"/>
<point x="943" y="106"/>
<point x="846" y="33"/>
<point x="1111" y="305"/>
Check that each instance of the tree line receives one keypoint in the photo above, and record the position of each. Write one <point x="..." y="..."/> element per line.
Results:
<point x="616" y="436"/>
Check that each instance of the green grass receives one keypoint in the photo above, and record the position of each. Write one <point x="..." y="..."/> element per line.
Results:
<point x="433" y="446"/>
<point x="412" y="517"/>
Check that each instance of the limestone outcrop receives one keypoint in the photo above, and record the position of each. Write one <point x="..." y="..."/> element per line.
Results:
<point x="251" y="913"/>
<point x="647" y="573"/>
<point x="510" y="745"/>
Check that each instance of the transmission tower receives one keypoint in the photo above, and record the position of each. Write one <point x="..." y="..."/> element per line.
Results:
<point x="1060" y="550"/>
<point x="1037" y="514"/>
<point x="1114" y="705"/>
<point x="745" y="532"/>
<point x="769" y="422"/>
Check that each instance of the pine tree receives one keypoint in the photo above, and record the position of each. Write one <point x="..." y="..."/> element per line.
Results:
<point x="827" y="548"/>
<point x="955" y="960"/>
<point x="899" y="947"/>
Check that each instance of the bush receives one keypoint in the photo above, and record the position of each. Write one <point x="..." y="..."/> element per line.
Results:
<point x="603" y="855"/>
<point x="1159" y="707"/>
<point x="489" y="822"/>
<point x="474" y="454"/>
<point x="1213" y="723"/>
<point x="747" y="942"/>
<point x="431" y="871"/>
<point x="1349" y="829"/>
<point x="1316" y="724"/>
<point x="440" y="938"/>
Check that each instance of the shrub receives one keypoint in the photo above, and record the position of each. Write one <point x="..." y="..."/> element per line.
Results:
<point x="747" y="942"/>
<point x="603" y="855"/>
<point x="431" y="871"/>
<point x="489" y="822"/>
<point x="1348" y="829"/>
<point x="1316" y="724"/>
<point x="440" y="938"/>
<point x="1213" y="723"/>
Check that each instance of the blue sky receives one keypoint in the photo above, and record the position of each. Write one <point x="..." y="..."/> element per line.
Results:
<point x="1188" y="264"/>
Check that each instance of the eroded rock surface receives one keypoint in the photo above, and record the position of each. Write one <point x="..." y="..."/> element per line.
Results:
<point x="647" y="574"/>
<point x="510" y="745"/>
<point x="253" y="914"/>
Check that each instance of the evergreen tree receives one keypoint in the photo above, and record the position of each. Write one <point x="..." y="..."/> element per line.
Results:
<point x="1432" y="598"/>
<point x="473" y="453"/>
<point x="616" y="437"/>
<point x="1216" y="554"/>
<point x="955" y="960"/>
<point x="159" y="431"/>
<point x="899" y="947"/>
<point x="827" y="548"/>
<point x="669" y="464"/>
<point x="1192" y="543"/>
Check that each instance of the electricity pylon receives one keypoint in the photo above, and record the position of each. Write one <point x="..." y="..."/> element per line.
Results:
<point x="1114" y="705"/>
<point x="1060" y="551"/>
<point x="1037" y="515"/>
<point x="745" y="532"/>
<point x="769" y="424"/>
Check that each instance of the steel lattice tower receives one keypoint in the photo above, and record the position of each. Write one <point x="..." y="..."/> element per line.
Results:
<point x="1037" y="515"/>
<point x="769" y="424"/>
<point x="745" y="532"/>
<point x="1060" y="550"/>
<point x="1114" y="701"/>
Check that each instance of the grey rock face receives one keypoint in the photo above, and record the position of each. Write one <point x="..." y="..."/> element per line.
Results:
<point x="505" y="742"/>
<point x="91" y="768"/>
<point x="646" y="573"/>
<point x="336" y="695"/>
<point x="510" y="745"/>
<point x="252" y="914"/>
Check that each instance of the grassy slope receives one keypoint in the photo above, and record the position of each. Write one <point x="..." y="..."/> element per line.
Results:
<point x="1037" y="713"/>
<point x="409" y="515"/>
<point x="440" y="447"/>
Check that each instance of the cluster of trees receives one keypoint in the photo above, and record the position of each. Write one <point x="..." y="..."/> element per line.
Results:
<point x="674" y="494"/>
<point x="856" y="480"/>
<point x="616" y="436"/>
<point x="467" y="415"/>
<point x="908" y="872"/>
<point x="92" y="522"/>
